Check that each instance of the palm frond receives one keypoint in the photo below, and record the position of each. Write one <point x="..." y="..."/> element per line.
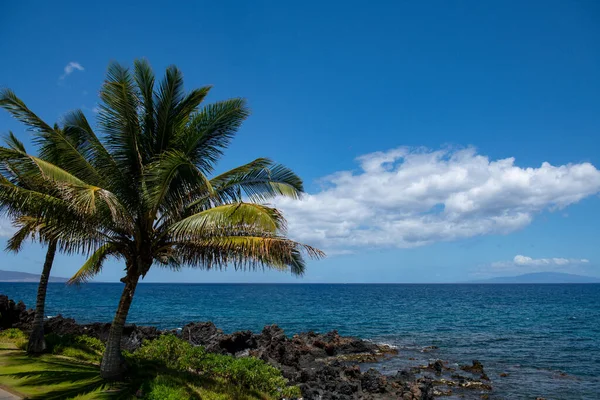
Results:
<point x="16" y="201"/>
<point x="78" y="131"/>
<point x="172" y="179"/>
<point x="17" y="108"/>
<point x="45" y="217"/>
<point x="93" y="265"/>
<point x="259" y="180"/>
<point x="59" y="150"/>
<point x="118" y="118"/>
<point x="8" y="154"/>
<point x="54" y="146"/>
<point x="246" y="252"/>
<point x="237" y="216"/>
<point x="210" y="131"/>
<point x="186" y="108"/>
<point x="14" y="143"/>
<point x="57" y="174"/>
<point x="144" y="80"/>
<point x="13" y="163"/>
<point x="170" y="94"/>
<point x="81" y="196"/>
<point x="28" y="227"/>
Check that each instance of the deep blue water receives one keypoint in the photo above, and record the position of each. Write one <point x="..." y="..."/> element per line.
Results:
<point x="547" y="337"/>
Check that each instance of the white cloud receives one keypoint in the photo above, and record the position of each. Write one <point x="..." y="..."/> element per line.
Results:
<point x="526" y="264"/>
<point x="70" y="68"/>
<point x="521" y="264"/>
<point x="528" y="261"/>
<point x="409" y="197"/>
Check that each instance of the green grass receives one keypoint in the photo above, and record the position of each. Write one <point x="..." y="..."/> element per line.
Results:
<point x="166" y="368"/>
<point x="58" y="377"/>
<point x="49" y="376"/>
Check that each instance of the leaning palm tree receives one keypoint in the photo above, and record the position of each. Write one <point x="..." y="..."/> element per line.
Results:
<point x="29" y="227"/>
<point x="14" y="172"/>
<point x="140" y="191"/>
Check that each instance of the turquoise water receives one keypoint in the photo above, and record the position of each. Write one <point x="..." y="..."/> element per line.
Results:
<point x="546" y="337"/>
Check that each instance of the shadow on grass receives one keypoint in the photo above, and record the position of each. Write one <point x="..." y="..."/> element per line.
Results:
<point x="50" y="377"/>
<point x="196" y="387"/>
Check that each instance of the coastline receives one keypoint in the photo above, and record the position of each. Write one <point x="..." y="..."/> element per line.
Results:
<point x="519" y="332"/>
<point x="324" y="366"/>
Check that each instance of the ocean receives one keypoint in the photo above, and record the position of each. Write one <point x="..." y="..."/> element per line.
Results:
<point x="545" y="337"/>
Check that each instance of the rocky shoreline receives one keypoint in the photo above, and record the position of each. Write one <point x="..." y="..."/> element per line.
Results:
<point x="324" y="366"/>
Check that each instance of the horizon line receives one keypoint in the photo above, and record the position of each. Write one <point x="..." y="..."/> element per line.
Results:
<point x="330" y="283"/>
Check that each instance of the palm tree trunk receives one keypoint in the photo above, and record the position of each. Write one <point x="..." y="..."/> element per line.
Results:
<point x="37" y="343"/>
<point x="113" y="366"/>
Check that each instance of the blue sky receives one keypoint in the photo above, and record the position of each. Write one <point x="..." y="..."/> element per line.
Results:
<point x="421" y="129"/>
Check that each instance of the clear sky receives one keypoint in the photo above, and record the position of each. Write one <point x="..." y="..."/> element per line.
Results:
<point x="439" y="141"/>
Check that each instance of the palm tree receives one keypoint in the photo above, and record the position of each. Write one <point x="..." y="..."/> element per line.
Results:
<point x="16" y="172"/>
<point x="29" y="227"/>
<point x="37" y="341"/>
<point x="140" y="192"/>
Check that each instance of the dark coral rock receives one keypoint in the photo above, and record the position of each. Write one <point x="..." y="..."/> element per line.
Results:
<point x="60" y="325"/>
<point x="238" y="342"/>
<point x="318" y="363"/>
<point x="438" y="366"/>
<point x="476" y="368"/>
<point x="404" y="376"/>
<point x="202" y="334"/>
<point x="11" y="312"/>
<point x="373" y="382"/>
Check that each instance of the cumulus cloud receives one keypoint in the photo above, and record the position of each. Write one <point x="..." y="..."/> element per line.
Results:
<point x="408" y="197"/>
<point x="70" y="68"/>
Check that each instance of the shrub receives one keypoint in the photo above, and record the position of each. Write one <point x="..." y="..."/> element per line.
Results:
<point x="171" y="352"/>
<point x="14" y="336"/>
<point x="12" y="333"/>
<point x="53" y="340"/>
<point x="161" y="388"/>
<point x="84" y="348"/>
<point x="255" y="374"/>
<point x="90" y="343"/>
<point x="248" y="372"/>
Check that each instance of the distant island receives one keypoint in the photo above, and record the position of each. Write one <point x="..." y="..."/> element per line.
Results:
<point x="541" y="277"/>
<point x="15" y="276"/>
<point x="537" y="277"/>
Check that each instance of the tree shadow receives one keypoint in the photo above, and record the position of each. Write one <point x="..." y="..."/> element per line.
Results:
<point x="68" y="378"/>
<point x="191" y="381"/>
<point x="64" y="378"/>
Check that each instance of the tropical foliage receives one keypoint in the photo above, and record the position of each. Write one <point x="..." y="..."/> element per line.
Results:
<point x="248" y="373"/>
<point x="30" y="226"/>
<point x="165" y="368"/>
<point x="14" y="336"/>
<point x="141" y="190"/>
